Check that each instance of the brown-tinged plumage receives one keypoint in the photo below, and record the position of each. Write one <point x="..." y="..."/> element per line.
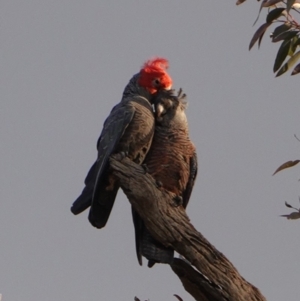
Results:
<point x="172" y="162"/>
<point x="128" y="129"/>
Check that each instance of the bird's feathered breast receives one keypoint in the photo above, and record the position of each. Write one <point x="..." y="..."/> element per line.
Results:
<point x="168" y="160"/>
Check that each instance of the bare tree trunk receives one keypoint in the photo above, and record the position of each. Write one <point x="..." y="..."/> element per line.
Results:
<point x="209" y="275"/>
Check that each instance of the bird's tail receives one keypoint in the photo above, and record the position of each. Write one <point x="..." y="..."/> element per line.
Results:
<point x="102" y="206"/>
<point x="154" y="251"/>
<point x="85" y="199"/>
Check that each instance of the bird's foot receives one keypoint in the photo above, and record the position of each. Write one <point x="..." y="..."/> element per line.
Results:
<point x="159" y="184"/>
<point x="145" y="167"/>
<point x="121" y="155"/>
<point x="177" y="201"/>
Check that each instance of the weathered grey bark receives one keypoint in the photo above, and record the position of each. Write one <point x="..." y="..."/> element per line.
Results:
<point x="210" y="276"/>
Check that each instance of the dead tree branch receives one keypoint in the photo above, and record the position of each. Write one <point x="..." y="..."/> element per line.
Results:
<point x="210" y="276"/>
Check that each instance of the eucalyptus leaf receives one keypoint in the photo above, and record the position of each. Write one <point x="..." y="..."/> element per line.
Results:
<point x="268" y="3"/>
<point x="288" y="35"/>
<point x="258" y="34"/>
<point x="293" y="215"/>
<point x="286" y="165"/>
<point x="280" y="29"/>
<point x="289" y="64"/>
<point x="281" y="54"/>
<point x="240" y="2"/>
<point x="274" y="14"/>
<point x="294" y="45"/>
<point x="261" y="6"/>
<point x="296" y="70"/>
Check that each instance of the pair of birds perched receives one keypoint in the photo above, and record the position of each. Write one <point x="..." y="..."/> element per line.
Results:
<point x="158" y="139"/>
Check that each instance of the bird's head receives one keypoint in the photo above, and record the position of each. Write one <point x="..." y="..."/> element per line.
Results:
<point x="170" y="109"/>
<point x="154" y="77"/>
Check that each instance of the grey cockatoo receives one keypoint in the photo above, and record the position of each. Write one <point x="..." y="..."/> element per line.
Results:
<point x="128" y="129"/>
<point x="172" y="161"/>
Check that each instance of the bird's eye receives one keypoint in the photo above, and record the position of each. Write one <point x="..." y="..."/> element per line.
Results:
<point x="156" y="82"/>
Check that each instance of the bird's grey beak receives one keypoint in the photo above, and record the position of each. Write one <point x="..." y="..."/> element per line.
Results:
<point x="160" y="110"/>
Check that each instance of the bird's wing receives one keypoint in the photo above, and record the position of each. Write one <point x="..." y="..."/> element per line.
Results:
<point x="113" y="130"/>
<point x="85" y="199"/>
<point x="138" y="230"/>
<point x="100" y="212"/>
<point x="147" y="246"/>
<point x="193" y="174"/>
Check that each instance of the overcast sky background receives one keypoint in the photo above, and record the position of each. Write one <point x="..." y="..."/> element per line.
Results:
<point x="63" y="66"/>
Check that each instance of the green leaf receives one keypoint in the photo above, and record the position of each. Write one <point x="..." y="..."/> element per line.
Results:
<point x="285" y="165"/>
<point x="268" y="3"/>
<point x="288" y="205"/>
<point x="265" y="3"/>
<point x="274" y="14"/>
<point x="259" y="40"/>
<point x="290" y="63"/>
<point x="294" y="45"/>
<point x="258" y="34"/>
<point x="289" y="4"/>
<point x="281" y="54"/>
<point x="288" y="35"/>
<point x="280" y="29"/>
<point x="261" y="6"/>
<point x="293" y="215"/>
<point x="296" y="70"/>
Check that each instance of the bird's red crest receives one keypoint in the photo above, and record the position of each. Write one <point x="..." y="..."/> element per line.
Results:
<point x="154" y="76"/>
<point x="156" y="64"/>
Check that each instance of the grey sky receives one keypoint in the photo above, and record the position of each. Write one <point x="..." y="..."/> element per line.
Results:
<point x="64" y="64"/>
